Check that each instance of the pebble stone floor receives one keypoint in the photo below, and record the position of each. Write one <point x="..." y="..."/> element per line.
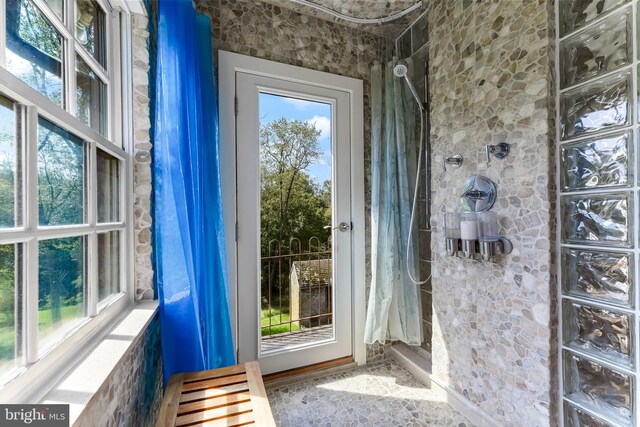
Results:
<point x="378" y="394"/>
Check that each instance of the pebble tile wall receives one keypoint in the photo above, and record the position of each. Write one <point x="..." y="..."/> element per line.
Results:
<point x="142" y="181"/>
<point x="489" y="80"/>
<point x="598" y="249"/>
<point x="268" y="31"/>
<point x="360" y="9"/>
<point x="132" y="394"/>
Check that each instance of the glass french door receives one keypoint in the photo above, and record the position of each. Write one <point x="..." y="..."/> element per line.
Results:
<point x="294" y="227"/>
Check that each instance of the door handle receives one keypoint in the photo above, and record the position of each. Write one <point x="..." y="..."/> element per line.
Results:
<point x="343" y="226"/>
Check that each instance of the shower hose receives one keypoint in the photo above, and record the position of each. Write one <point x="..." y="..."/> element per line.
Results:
<point x="413" y="207"/>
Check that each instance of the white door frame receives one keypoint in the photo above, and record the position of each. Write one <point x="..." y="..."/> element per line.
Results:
<point x="228" y="65"/>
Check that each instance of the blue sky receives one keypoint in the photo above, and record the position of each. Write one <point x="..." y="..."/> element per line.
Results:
<point x="273" y="107"/>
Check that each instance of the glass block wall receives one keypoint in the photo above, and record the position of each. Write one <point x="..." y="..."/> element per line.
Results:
<point x="598" y="182"/>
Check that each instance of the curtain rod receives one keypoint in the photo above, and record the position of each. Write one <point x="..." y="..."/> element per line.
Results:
<point x="332" y="12"/>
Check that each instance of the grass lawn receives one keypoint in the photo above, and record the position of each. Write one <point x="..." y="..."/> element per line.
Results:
<point x="69" y="317"/>
<point x="275" y="319"/>
<point x="45" y="326"/>
<point x="68" y="314"/>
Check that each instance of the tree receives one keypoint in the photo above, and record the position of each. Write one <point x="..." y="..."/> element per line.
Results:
<point x="291" y="202"/>
<point x="60" y="177"/>
<point x="44" y="52"/>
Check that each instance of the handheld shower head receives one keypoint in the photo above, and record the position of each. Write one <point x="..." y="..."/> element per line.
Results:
<point x="400" y="70"/>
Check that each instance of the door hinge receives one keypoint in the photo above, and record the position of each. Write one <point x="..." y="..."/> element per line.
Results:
<point x="235" y="101"/>
<point x="237" y="231"/>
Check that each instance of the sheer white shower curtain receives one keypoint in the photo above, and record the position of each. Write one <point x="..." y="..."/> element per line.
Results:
<point x="394" y="311"/>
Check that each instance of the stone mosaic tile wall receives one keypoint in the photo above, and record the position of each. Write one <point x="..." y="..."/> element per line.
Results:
<point x="361" y="9"/>
<point x="132" y="394"/>
<point x="142" y="158"/>
<point x="489" y="67"/>
<point x="270" y="32"/>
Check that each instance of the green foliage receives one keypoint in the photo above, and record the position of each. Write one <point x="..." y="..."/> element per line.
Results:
<point x="61" y="275"/>
<point x="7" y="303"/>
<point x="7" y="193"/>
<point x="37" y="31"/>
<point x="60" y="177"/>
<point x="293" y="205"/>
<point x="7" y="162"/>
<point x="7" y="285"/>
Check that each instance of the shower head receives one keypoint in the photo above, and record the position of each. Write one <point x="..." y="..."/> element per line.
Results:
<point x="401" y="70"/>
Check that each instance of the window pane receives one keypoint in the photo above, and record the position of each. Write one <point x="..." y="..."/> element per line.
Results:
<point x="9" y="320"/>
<point x="90" y="29"/>
<point x="91" y="97"/>
<point x="56" y="6"/>
<point x="108" y="264"/>
<point x="61" y="182"/>
<point x="34" y="49"/>
<point x="108" y="187"/>
<point x="61" y="292"/>
<point x="9" y="166"/>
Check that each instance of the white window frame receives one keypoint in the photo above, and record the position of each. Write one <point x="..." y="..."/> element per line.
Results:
<point x="41" y="371"/>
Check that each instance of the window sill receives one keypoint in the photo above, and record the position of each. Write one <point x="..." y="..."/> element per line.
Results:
<point x="79" y="386"/>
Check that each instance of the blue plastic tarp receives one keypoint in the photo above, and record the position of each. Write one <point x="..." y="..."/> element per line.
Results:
<point x="189" y="234"/>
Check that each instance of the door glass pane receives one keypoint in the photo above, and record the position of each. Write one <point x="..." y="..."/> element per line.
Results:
<point x="10" y="337"/>
<point x="91" y="97"/>
<point x="61" y="180"/>
<point x="61" y="288"/>
<point x="34" y="49"/>
<point x="108" y="264"/>
<point x="90" y="29"/>
<point x="295" y="222"/>
<point x="10" y="165"/>
<point x="108" y="187"/>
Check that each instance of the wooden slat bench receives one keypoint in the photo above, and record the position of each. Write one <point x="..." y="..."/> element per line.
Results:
<point x="232" y="396"/>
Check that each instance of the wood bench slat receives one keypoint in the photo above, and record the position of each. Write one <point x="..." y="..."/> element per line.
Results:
<point x="237" y="420"/>
<point x="213" y="392"/>
<point x="213" y="414"/>
<point x="214" y="373"/>
<point x="214" y="402"/>
<point x="217" y="382"/>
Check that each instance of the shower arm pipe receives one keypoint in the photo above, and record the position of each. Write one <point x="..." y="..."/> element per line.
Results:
<point x="355" y="20"/>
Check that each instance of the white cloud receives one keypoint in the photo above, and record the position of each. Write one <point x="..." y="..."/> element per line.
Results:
<point x="299" y="104"/>
<point x="323" y="124"/>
